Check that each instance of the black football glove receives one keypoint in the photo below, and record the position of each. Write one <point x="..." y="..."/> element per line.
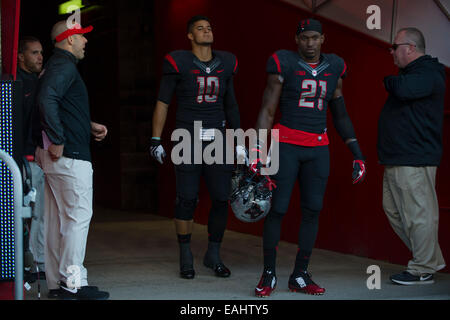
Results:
<point x="157" y="150"/>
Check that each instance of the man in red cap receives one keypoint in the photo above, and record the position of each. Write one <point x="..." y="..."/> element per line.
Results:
<point x="64" y="155"/>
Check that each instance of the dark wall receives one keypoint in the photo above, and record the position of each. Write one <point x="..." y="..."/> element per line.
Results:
<point x="352" y="220"/>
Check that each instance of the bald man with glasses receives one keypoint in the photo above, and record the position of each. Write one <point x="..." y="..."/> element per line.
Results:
<point x="410" y="148"/>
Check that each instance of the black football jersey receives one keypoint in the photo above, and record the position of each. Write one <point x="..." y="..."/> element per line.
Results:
<point x="200" y="87"/>
<point x="306" y="89"/>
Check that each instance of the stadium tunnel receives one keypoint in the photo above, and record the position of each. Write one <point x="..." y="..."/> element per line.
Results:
<point x="123" y="66"/>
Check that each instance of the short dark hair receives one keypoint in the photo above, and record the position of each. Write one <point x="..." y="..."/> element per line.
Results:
<point x="193" y="20"/>
<point x="416" y="36"/>
<point x="23" y="43"/>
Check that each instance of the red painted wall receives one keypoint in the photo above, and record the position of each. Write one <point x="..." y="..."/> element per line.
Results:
<point x="352" y="220"/>
<point x="10" y="36"/>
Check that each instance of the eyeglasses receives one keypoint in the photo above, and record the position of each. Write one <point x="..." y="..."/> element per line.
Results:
<point x="396" y="45"/>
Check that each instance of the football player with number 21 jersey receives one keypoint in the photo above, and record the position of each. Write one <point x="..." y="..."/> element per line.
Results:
<point x="202" y="80"/>
<point x="305" y="84"/>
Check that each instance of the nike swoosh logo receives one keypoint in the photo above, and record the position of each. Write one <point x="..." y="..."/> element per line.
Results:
<point x="422" y="278"/>
<point x="70" y="290"/>
<point x="258" y="289"/>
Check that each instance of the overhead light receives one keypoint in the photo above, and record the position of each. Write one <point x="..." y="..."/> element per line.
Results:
<point x="70" y="6"/>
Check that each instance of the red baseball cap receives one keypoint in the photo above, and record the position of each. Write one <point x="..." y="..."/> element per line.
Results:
<point x="76" y="29"/>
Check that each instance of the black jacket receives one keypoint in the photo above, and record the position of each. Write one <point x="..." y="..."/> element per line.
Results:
<point x="30" y="116"/>
<point x="410" y="124"/>
<point x="64" y="105"/>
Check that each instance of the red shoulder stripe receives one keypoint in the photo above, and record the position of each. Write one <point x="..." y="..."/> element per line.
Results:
<point x="172" y="61"/>
<point x="345" y="69"/>
<point x="277" y="61"/>
<point x="235" y="66"/>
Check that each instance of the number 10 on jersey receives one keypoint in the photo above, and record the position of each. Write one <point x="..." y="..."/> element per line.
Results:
<point x="208" y="89"/>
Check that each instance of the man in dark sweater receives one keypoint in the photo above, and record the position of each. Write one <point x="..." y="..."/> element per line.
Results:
<point x="66" y="160"/>
<point x="410" y="148"/>
<point x="29" y="60"/>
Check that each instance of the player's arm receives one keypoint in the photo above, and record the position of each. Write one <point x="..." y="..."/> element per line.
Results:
<point x="271" y="97"/>
<point x="231" y="107"/>
<point x="159" y="118"/>
<point x="233" y="118"/>
<point x="344" y="127"/>
<point x="340" y="116"/>
<point x="166" y="91"/>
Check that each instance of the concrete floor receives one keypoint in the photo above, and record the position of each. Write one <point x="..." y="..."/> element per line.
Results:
<point x="134" y="256"/>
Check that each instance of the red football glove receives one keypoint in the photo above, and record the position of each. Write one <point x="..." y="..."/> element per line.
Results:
<point x="359" y="171"/>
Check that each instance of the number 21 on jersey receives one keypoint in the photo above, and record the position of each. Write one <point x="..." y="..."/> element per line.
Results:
<point x="208" y="89"/>
<point x="309" y="91"/>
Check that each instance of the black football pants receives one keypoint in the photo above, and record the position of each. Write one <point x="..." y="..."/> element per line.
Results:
<point x="217" y="178"/>
<point x="309" y="166"/>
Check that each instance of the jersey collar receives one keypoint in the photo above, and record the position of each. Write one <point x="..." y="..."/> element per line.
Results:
<point x="322" y="66"/>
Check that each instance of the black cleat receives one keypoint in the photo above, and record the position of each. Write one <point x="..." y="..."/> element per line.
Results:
<point x="220" y="269"/>
<point x="303" y="283"/>
<point x="187" y="272"/>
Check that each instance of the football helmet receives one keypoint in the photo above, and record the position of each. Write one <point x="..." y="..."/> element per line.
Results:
<point x="251" y="194"/>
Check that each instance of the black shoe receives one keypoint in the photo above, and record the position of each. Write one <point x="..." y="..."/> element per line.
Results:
<point x="219" y="268"/>
<point x="187" y="272"/>
<point x="54" y="293"/>
<point x="407" y="278"/>
<point x="302" y="282"/>
<point x="84" y="293"/>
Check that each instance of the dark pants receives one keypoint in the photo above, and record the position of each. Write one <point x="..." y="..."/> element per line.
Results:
<point x="309" y="166"/>
<point x="218" y="182"/>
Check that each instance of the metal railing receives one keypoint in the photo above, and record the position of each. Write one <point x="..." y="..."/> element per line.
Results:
<point x="20" y="212"/>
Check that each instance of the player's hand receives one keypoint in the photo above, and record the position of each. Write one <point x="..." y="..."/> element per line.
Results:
<point x="241" y="155"/>
<point x="256" y="155"/>
<point x="256" y="166"/>
<point x="359" y="171"/>
<point x="157" y="150"/>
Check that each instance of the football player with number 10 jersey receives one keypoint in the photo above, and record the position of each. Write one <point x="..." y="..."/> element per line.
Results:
<point x="305" y="84"/>
<point x="202" y="80"/>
